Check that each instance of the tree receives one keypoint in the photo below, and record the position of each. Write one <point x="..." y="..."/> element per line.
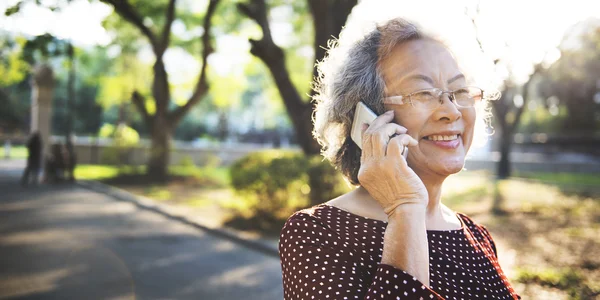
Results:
<point x="508" y="114"/>
<point x="153" y="19"/>
<point x="164" y="120"/>
<point x="13" y="70"/>
<point x="328" y="18"/>
<point x="575" y="78"/>
<point x="507" y="111"/>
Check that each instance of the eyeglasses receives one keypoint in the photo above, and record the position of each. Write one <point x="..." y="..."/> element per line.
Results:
<point x="432" y="98"/>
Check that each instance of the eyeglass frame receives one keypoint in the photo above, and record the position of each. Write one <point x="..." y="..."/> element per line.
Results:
<point x="399" y="99"/>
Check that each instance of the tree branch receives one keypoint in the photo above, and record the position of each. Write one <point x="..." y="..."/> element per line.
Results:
<point x="537" y="70"/>
<point x="257" y="11"/>
<point x="140" y="103"/>
<point x="166" y="32"/>
<point x="329" y="18"/>
<point x="202" y="85"/>
<point x="272" y="56"/>
<point x="474" y="22"/>
<point x="125" y="10"/>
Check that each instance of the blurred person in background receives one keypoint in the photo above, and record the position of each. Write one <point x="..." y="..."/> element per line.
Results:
<point x="34" y="159"/>
<point x="7" y="148"/>
<point x="55" y="164"/>
<point x="392" y="237"/>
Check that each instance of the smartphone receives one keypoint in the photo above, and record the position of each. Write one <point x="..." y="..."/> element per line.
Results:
<point x="363" y="115"/>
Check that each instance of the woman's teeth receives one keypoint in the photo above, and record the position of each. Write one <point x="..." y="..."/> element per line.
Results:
<point x="442" y="137"/>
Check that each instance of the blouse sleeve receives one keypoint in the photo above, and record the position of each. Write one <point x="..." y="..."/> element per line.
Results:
<point x="486" y="234"/>
<point x="316" y="264"/>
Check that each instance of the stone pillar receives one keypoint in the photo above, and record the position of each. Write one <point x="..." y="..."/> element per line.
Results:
<point x="42" y="92"/>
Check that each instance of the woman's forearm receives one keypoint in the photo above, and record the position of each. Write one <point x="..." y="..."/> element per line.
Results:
<point x="405" y="241"/>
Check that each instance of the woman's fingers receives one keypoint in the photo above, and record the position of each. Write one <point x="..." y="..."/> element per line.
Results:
<point x="383" y="119"/>
<point x="376" y="136"/>
<point x="396" y="145"/>
<point x="381" y="138"/>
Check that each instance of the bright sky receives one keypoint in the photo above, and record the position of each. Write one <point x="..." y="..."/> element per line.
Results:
<point x="531" y="28"/>
<point x="80" y="21"/>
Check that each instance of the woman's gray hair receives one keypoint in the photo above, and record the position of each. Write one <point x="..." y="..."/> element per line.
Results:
<point x="347" y="76"/>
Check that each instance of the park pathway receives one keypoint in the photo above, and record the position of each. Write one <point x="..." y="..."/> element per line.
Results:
<point x="67" y="242"/>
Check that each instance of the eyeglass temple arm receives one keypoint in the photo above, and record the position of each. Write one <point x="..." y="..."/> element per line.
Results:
<point x="394" y="100"/>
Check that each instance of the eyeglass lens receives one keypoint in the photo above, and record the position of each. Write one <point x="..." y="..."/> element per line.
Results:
<point x="465" y="97"/>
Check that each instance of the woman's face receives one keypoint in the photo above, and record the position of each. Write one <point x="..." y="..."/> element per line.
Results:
<point x="424" y="64"/>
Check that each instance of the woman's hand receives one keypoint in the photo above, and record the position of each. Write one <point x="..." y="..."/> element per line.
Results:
<point x="384" y="172"/>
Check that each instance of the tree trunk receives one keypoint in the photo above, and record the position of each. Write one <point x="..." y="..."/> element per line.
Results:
<point x="299" y="112"/>
<point x="159" y="150"/>
<point x="328" y="19"/>
<point x="503" y="168"/>
<point x="304" y="132"/>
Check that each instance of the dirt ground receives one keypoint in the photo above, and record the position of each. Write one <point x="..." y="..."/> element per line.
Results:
<point x="547" y="239"/>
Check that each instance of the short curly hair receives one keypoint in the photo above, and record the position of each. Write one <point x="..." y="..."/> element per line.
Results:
<point x="346" y="76"/>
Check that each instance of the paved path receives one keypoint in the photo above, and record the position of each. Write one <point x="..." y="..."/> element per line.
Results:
<point x="66" y="242"/>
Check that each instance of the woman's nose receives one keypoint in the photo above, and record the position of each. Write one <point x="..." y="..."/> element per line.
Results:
<point x="447" y="110"/>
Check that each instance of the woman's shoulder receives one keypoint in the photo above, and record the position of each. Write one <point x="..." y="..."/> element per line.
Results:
<point x="466" y="219"/>
<point x="469" y="222"/>
<point x="479" y="231"/>
<point x="315" y="215"/>
<point x="322" y="220"/>
<point x="310" y="226"/>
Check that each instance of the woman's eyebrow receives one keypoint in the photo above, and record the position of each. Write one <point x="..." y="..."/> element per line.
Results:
<point x="420" y="77"/>
<point x="459" y="76"/>
<point x="430" y="81"/>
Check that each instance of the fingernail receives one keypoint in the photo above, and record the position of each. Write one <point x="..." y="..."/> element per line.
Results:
<point x="389" y="112"/>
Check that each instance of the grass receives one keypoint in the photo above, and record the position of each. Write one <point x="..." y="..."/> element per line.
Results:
<point x="95" y="172"/>
<point x="569" y="280"/>
<point x="558" y="278"/>
<point x="218" y="175"/>
<point x="561" y="178"/>
<point x="17" y="152"/>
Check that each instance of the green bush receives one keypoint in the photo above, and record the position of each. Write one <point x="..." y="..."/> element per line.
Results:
<point x="187" y="162"/>
<point x="277" y="182"/>
<point x="124" y="139"/>
<point x="325" y="181"/>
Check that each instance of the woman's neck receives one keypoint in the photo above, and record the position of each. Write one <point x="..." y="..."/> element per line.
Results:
<point x="433" y="184"/>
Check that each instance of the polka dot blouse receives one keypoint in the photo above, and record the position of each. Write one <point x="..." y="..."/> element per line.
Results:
<point x="329" y="253"/>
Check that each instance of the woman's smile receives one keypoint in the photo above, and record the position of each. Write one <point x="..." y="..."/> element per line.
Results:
<point x="445" y="140"/>
<point x="450" y="144"/>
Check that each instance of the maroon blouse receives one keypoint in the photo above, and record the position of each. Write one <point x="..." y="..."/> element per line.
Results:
<point x="329" y="253"/>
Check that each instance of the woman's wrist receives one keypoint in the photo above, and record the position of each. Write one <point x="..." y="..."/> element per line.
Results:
<point x="405" y="241"/>
<point x="407" y="209"/>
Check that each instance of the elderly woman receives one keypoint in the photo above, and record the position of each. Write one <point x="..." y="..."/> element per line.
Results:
<point x="392" y="238"/>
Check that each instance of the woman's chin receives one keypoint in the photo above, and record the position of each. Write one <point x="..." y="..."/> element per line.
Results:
<point x="449" y="167"/>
